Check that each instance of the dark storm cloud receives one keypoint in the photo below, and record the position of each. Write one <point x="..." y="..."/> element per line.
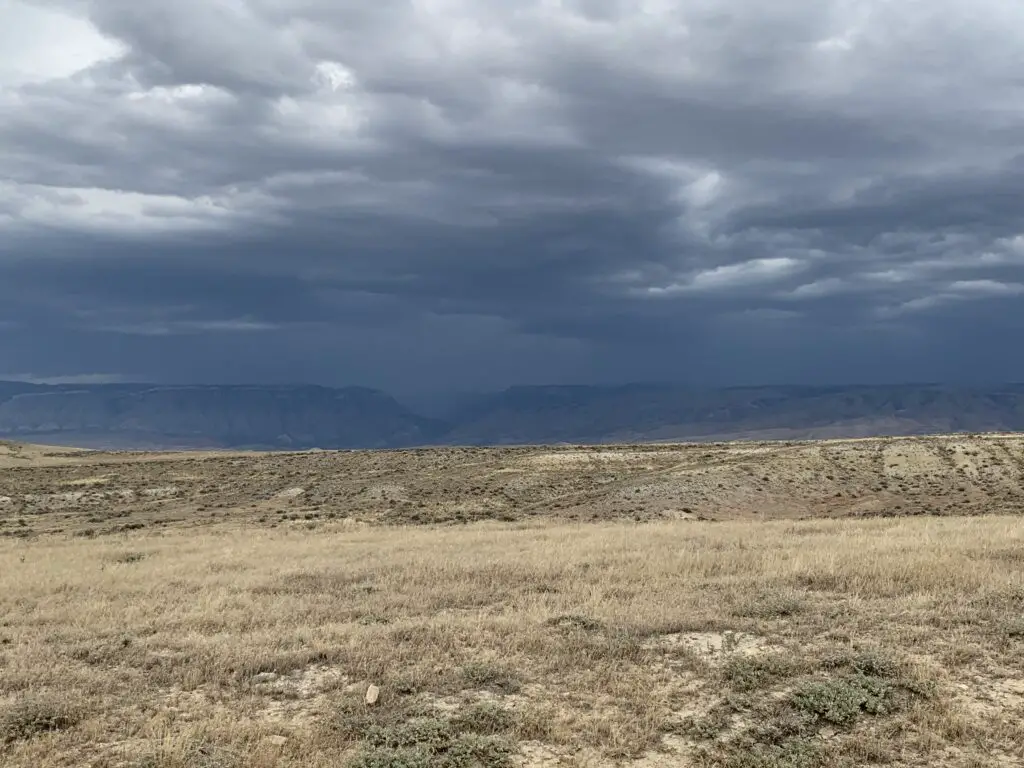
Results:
<point x="421" y="194"/>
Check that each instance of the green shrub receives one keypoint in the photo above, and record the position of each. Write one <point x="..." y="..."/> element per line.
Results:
<point x="421" y="732"/>
<point x="841" y="701"/>
<point x="491" y="677"/>
<point x="749" y="673"/>
<point x="485" y="718"/>
<point x="440" y="748"/>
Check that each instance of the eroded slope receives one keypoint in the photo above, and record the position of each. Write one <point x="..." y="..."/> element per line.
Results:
<point x="44" y="490"/>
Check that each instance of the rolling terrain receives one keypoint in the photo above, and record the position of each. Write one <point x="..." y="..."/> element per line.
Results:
<point x="61" y="490"/>
<point x="720" y="605"/>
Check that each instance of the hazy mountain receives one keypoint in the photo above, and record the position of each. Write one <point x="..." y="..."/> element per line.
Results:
<point x="212" y="416"/>
<point x="150" y="416"/>
<point x="666" y="412"/>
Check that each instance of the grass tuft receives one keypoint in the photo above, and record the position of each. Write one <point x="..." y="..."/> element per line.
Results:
<point x="486" y="718"/>
<point x="487" y="676"/>
<point x="431" y="742"/>
<point x="771" y="605"/>
<point x="750" y="673"/>
<point x="33" y="715"/>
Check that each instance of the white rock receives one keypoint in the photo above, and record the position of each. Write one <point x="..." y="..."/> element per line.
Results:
<point x="372" y="694"/>
<point x="278" y="741"/>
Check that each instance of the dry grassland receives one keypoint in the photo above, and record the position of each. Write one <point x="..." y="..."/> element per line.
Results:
<point x="738" y="644"/>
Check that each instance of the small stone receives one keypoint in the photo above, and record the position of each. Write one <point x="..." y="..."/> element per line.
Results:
<point x="372" y="694"/>
<point x="278" y="741"/>
<point x="265" y="677"/>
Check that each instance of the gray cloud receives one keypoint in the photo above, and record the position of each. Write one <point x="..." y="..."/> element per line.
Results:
<point x="425" y="194"/>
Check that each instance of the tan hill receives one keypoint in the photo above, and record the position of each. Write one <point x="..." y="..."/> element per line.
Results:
<point x="57" y="489"/>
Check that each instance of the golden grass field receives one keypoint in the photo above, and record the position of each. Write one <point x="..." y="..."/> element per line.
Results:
<point x="754" y="640"/>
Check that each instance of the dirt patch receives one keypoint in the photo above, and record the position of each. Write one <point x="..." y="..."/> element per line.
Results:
<point x="566" y="459"/>
<point x="301" y="684"/>
<point x="905" y="460"/>
<point x="673" y="753"/>
<point x="536" y="755"/>
<point x="89" y="481"/>
<point x="989" y="698"/>
<point x="165" y="492"/>
<point x="712" y="645"/>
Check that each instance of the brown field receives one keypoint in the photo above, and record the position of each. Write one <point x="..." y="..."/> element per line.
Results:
<point x="841" y="603"/>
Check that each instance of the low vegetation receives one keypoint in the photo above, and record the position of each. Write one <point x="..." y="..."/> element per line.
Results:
<point x="743" y="644"/>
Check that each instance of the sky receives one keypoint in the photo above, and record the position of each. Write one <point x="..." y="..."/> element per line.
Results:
<point x="433" y="195"/>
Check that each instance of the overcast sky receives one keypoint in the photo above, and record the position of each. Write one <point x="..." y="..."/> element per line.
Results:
<point x="422" y="194"/>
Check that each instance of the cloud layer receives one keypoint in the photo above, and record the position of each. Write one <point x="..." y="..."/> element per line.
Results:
<point x="421" y="194"/>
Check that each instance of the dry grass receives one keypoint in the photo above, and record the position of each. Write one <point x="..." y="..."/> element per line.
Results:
<point x="737" y="644"/>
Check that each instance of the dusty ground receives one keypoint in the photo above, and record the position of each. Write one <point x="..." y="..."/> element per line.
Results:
<point x="60" y="490"/>
<point x="170" y="637"/>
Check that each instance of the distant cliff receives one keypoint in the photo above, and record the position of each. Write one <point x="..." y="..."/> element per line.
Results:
<point x="212" y="416"/>
<point x="664" y="412"/>
<point x="145" y="415"/>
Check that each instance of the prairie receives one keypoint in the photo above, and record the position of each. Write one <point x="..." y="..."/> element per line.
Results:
<point x="754" y="640"/>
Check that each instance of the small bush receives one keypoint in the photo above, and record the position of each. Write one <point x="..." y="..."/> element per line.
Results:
<point x="472" y="750"/>
<point x="708" y="727"/>
<point x="870" y="663"/>
<point x="774" y="605"/>
<point x="354" y="721"/>
<point x="430" y="733"/>
<point x="486" y="718"/>
<point x="572" y="621"/>
<point x="491" y="677"/>
<point x="1014" y="628"/>
<point x="795" y="753"/>
<point x="840" y="702"/>
<point x="433" y="743"/>
<point x="749" y="673"/>
<point x="876" y="665"/>
<point x="127" y="558"/>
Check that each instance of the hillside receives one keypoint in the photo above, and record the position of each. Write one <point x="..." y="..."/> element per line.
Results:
<point x="52" y="490"/>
